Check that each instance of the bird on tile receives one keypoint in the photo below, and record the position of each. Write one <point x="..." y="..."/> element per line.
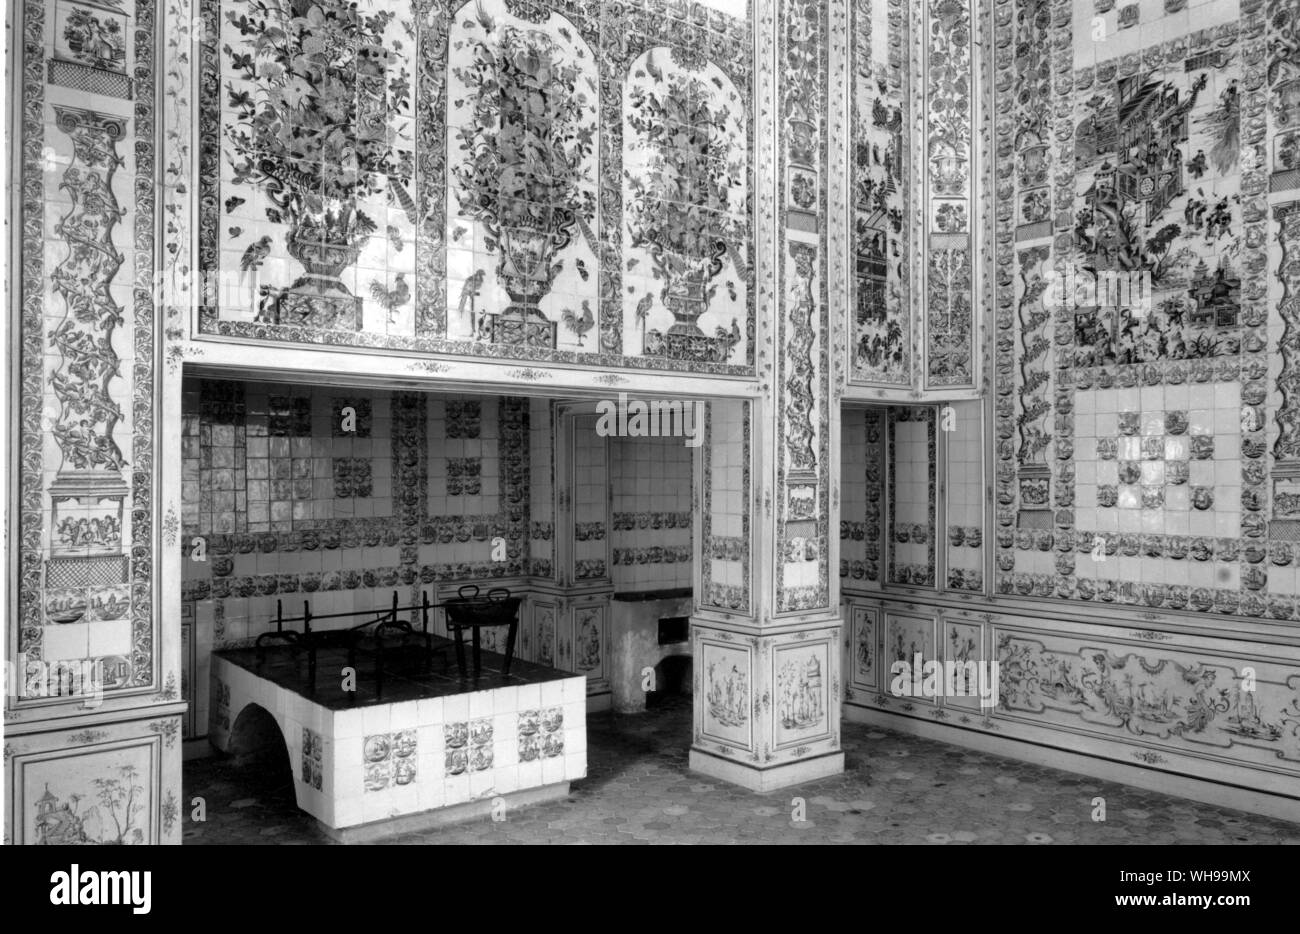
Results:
<point x="579" y="326"/>
<point x="394" y="298"/>
<point x="254" y="256"/>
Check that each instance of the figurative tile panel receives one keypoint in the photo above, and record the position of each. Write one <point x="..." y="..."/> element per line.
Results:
<point x="590" y="635"/>
<point x="391" y="759"/>
<point x="962" y="645"/>
<point x="863" y="641"/>
<point x="90" y="48"/>
<point x="728" y="694"/>
<point x="1145" y="395"/>
<point x="906" y="637"/>
<point x="68" y="806"/>
<point x="767" y="699"/>
<point x="1179" y="700"/>
<point x="540" y="734"/>
<point x="109" y="784"/>
<point x="563" y="181"/>
<point x="469" y="746"/>
<point x="313" y="749"/>
<point x="544" y="626"/>
<point x="803" y="692"/>
<point x="86" y="400"/>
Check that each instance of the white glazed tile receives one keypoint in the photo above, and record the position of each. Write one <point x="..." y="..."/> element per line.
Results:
<point x="507" y="780"/>
<point x="377" y="719"/>
<point x="403" y="716"/>
<point x="481" y="784"/>
<point x="530" y="696"/>
<point x="480" y="704"/>
<point x="505" y="700"/>
<point x="456" y="789"/>
<point x="429" y="711"/>
<point x="530" y="774"/>
<point x="455" y="708"/>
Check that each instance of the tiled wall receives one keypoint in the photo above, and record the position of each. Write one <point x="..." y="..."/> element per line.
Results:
<point x="284" y="503"/>
<point x="853" y="496"/>
<point x="652" y="522"/>
<point x="960" y="425"/>
<point x="1143" y="441"/>
<point x="861" y="497"/>
<point x="541" y="452"/>
<point x="895" y="481"/>
<point x="454" y="234"/>
<point x="914" y="158"/>
<point x="881" y="324"/>
<point x="84" y="530"/>
<point x="1145" y="452"/>
<point x="725" y="510"/>
<point x="590" y="501"/>
<point x="911" y="501"/>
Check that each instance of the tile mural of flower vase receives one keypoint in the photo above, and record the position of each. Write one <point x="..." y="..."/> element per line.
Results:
<point x="312" y="129"/>
<point x="683" y="209"/>
<point x="524" y="169"/>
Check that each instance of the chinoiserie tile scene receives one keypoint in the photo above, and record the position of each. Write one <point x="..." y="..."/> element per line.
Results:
<point x="613" y="414"/>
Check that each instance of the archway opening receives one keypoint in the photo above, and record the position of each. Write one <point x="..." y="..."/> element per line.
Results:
<point x="258" y="751"/>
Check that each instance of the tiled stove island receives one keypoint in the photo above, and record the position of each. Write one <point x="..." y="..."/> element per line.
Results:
<point x="415" y="748"/>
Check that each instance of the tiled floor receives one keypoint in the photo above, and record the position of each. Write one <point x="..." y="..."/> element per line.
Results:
<point x="897" y="789"/>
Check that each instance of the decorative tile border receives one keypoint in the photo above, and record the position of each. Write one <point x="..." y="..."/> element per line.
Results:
<point x="95" y="471"/>
<point x="803" y="331"/>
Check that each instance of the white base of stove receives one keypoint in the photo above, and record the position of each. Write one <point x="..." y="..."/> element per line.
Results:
<point x="498" y="807"/>
<point x="522" y="739"/>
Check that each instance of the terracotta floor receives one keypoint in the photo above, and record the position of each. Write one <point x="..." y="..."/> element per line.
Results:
<point x="897" y="789"/>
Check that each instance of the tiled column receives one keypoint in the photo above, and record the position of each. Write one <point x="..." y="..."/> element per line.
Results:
<point x="95" y="711"/>
<point x="766" y="632"/>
